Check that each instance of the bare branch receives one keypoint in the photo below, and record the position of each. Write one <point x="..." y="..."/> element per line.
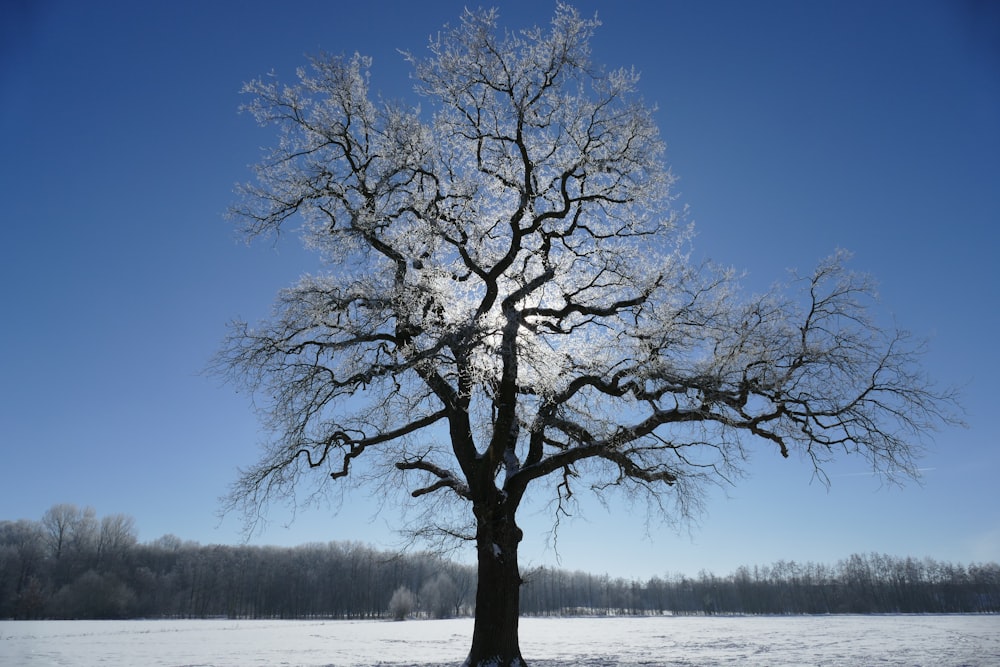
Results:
<point x="505" y="281"/>
<point x="446" y="478"/>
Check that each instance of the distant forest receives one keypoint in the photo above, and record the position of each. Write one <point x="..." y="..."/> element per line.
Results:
<point x="71" y="564"/>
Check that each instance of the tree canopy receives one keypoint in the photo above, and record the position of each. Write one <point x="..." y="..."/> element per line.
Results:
<point x="508" y="296"/>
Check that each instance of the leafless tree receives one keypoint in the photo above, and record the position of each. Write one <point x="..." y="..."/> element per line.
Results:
<point x="439" y="597"/>
<point x="117" y="535"/>
<point x="509" y="299"/>
<point x="57" y="523"/>
<point x="402" y="603"/>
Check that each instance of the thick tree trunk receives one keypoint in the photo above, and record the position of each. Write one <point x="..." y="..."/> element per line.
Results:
<point x="494" y="637"/>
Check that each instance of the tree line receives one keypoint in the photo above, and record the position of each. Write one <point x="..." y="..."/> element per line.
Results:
<point x="71" y="564"/>
<point x="860" y="584"/>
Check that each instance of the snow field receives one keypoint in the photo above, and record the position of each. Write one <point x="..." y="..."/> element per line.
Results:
<point x="914" y="641"/>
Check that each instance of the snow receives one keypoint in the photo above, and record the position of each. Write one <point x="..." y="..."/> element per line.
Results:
<point x="940" y="641"/>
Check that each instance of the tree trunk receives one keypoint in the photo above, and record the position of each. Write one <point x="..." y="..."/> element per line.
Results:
<point x="494" y="637"/>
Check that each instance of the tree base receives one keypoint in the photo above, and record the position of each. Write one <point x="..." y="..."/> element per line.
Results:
<point x="494" y="662"/>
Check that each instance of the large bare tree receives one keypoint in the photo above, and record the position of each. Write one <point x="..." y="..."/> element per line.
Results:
<point x="508" y="299"/>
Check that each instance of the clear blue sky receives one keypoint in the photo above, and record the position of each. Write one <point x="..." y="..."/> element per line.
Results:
<point x="795" y="128"/>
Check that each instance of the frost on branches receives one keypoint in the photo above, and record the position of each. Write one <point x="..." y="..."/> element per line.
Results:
<point x="508" y="298"/>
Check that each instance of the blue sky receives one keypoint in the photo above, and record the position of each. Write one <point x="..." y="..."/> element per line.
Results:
<point x="795" y="128"/>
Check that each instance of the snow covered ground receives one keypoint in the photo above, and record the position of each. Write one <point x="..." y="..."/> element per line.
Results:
<point x="937" y="641"/>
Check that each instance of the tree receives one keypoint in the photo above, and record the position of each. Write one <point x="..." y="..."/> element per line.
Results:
<point x="117" y="536"/>
<point x="508" y="299"/>
<point x="58" y="523"/>
<point x="21" y="550"/>
<point x="439" y="597"/>
<point x="72" y="539"/>
<point x="402" y="603"/>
